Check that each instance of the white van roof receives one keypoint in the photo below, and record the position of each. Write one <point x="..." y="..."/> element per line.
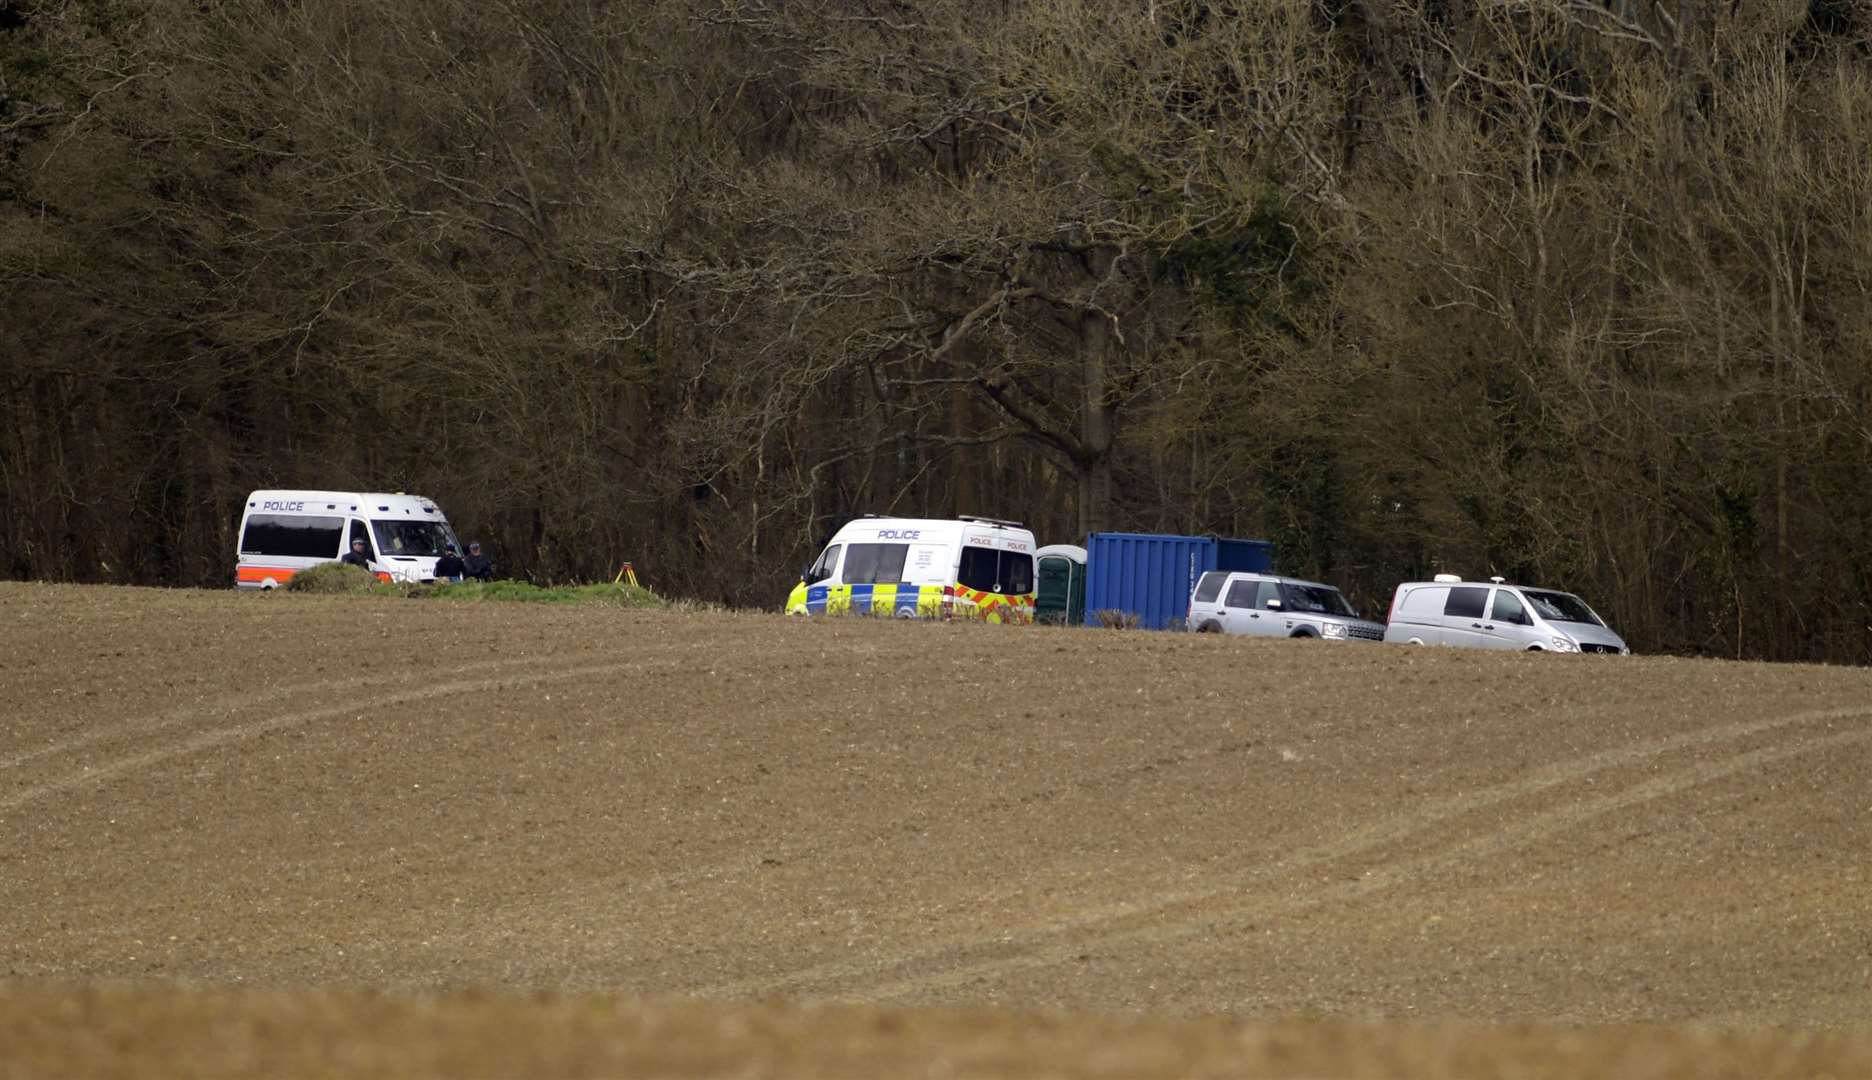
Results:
<point x="869" y="523"/>
<point x="352" y="502"/>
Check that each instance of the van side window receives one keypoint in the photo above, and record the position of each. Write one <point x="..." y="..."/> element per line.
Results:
<point x="1508" y="609"/>
<point x="359" y="532"/>
<point x="292" y="535"/>
<point x="1240" y="595"/>
<point x="828" y="562"/>
<point x="875" y="564"/>
<point x="1466" y="603"/>
<point x="1210" y="586"/>
<point x="1265" y="591"/>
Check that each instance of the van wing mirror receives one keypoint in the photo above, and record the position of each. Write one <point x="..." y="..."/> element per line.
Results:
<point x="1274" y="605"/>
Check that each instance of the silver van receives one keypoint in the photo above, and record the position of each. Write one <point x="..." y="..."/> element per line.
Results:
<point x="1234" y="602"/>
<point x="1496" y="615"/>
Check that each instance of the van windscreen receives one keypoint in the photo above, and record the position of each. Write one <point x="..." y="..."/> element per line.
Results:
<point x="292" y="536"/>
<point x="1561" y="607"/>
<point x="411" y="537"/>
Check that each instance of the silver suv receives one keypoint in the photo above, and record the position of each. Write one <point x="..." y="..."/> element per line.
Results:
<point x="1232" y="602"/>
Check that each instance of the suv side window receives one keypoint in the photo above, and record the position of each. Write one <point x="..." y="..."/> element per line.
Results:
<point x="1210" y="586"/>
<point x="1466" y="603"/>
<point x="1265" y="591"/>
<point x="1241" y="594"/>
<point x="1508" y="609"/>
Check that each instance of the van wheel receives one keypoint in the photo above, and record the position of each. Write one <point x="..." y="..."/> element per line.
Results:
<point x="1535" y="648"/>
<point x="1303" y="633"/>
<point x="1415" y="641"/>
<point x="1210" y="627"/>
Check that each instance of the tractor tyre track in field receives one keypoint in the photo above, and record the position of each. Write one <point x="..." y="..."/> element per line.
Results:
<point x="194" y="743"/>
<point x="1187" y="918"/>
<point x="158" y="723"/>
<point x="1169" y="918"/>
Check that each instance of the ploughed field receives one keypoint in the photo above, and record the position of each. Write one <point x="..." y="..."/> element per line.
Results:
<point x="359" y="835"/>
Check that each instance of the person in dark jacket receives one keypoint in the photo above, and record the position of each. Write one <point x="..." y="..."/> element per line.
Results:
<point x="476" y="565"/>
<point x="450" y="566"/>
<point x="359" y="555"/>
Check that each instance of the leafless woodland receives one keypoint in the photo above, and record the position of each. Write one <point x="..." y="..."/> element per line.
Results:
<point x="1572" y="291"/>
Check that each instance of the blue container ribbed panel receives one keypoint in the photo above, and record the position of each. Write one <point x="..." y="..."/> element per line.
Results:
<point x="1149" y="575"/>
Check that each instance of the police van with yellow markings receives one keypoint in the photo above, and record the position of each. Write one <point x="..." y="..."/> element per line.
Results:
<point x="969" y="567"/>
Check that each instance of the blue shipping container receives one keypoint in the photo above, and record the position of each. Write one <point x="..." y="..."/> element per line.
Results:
<point x="1146" y="575"/>
<point x="1247" y="556"/>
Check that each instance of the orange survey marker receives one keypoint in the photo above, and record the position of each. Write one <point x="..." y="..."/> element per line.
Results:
<point x="624" y="574"/>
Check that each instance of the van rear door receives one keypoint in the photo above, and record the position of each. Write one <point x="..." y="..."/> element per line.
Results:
<point x="1419" y="614"/>
<point x="996" y="573"/>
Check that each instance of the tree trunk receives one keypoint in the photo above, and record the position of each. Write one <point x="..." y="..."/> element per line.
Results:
<point x="1097" y="422"/>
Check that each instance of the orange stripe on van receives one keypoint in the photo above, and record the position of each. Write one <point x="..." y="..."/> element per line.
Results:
<point x="258" y="574"/>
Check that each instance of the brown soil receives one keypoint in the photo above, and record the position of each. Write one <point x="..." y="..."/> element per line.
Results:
<point x="276" y="833"/>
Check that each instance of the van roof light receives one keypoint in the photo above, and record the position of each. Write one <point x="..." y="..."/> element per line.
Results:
<point x="1447" y="577"/>
<point x="989" y="520"/>
<point x="1498" y="579"/>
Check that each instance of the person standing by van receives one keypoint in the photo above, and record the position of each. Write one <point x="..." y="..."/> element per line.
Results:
<point x="476" y="565"/>
<point x="359" y="555"/>
<point x="450" y="566"/>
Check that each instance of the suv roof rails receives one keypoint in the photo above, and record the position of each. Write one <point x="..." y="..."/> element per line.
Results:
<point x="988" y="520"/>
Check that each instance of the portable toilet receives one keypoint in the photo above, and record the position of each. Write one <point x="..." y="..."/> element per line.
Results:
<point x="1061" y="584"/>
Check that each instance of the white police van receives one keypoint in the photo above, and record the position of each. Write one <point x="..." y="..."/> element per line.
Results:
<point x="969" y="567"/>
<point x="284" y="532"/>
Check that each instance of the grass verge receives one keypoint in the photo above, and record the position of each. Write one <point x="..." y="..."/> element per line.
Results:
<point x="332" y="577"/>
<point x="341" y="579"/>
<point x="477" y="591"/>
